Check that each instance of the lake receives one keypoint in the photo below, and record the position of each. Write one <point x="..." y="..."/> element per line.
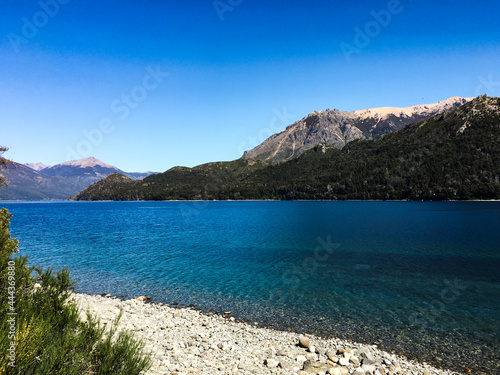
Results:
<point x="420" y="278"/>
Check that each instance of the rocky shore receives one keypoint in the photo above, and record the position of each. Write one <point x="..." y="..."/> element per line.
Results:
<point x="185" y="341"/>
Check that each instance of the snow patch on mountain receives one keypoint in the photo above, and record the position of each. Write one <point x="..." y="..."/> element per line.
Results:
<point x="337" y="128"/>
<point x="87" y="162"/>
<point x="36" y="166"/>
<point x="421" y="109"/>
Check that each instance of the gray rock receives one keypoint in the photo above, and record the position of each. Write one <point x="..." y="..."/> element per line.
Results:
<point x="369" y="368"/>
<point x="332" y="356"/>
<point x="322" y="359"/>
<point x="301" y="358"/>
<point x="287" y="364"/>
<point x="354" y="361"/>
<point x="271" y="363"/>
<point x="334" y="371"/>
<point x="343" y="361"/>
<point x="365" y="353"/>
<point x="311" y="356"/>
<point x="314" y="367"/>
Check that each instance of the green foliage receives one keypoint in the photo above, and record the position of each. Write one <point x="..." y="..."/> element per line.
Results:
<point x="203" y="182"/>
<point x="3" y="164"/>
<point x="8" y="246"/>
<point x="50" y="337"/>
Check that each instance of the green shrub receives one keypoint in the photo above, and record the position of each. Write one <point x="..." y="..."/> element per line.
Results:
<point x="50" y="338"/>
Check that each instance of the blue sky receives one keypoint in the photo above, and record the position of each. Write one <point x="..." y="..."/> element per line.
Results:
<point x="151" y="85"/>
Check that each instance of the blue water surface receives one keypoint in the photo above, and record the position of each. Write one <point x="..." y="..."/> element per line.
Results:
<point x="422" y="278"/>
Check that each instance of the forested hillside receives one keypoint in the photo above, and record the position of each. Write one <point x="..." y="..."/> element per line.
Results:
<point x="452" y="155"/>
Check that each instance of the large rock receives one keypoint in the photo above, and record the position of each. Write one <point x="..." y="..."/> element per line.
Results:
<point x="301" y="358"/>
<point x="313" y="367"/>
<point x="304" y="342"/>
<point x="287" y="364"/>
<point x="369" y="368"/>
<point x="343" y="361"/>
<point x="271" y="363"/>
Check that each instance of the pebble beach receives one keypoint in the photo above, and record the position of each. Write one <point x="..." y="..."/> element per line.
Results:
<point x="184" y="341"/>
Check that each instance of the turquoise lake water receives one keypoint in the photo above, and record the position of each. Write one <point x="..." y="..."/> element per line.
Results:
<point x="421" y="278"/>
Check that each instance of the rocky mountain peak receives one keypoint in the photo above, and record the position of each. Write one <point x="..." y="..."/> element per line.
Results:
<point x="337" y="128"/>
<point x="87" y="162"/>
<point x="36" y="166"/>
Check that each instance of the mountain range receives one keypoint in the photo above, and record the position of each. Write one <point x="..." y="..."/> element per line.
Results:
<point x="337" y="128"/>
<point x="37" y="181"/>
<point x="451" y="150"/>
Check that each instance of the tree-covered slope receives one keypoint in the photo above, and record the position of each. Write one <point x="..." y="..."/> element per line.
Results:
<point x="178" y="183"/>
<point x="453" y="155"/>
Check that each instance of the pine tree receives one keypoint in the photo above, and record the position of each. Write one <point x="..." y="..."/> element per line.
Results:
<point x="3" y="164"/>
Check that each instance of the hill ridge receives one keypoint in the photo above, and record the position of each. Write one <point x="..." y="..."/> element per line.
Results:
<point x="454" y="155"/>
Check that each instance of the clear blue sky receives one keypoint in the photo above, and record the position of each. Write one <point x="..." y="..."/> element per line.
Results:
<point x="157" y="84"/>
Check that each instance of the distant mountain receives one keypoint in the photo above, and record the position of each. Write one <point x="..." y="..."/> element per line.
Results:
<point x="337" y="128"/>
<point x="86" y="171"/>
<point x="36" y="166"/>
<point x="89" y="170"/>
<point x="28" y="184"/>
<point x="454" y="155"/>
<point x="40" y="182"/>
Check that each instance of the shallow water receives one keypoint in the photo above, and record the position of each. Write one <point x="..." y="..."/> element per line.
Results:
<point x="418" y="277"/>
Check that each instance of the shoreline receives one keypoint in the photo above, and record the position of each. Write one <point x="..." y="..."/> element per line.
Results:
<point x="251" y="200"/>
<point x="186" y="340"/>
